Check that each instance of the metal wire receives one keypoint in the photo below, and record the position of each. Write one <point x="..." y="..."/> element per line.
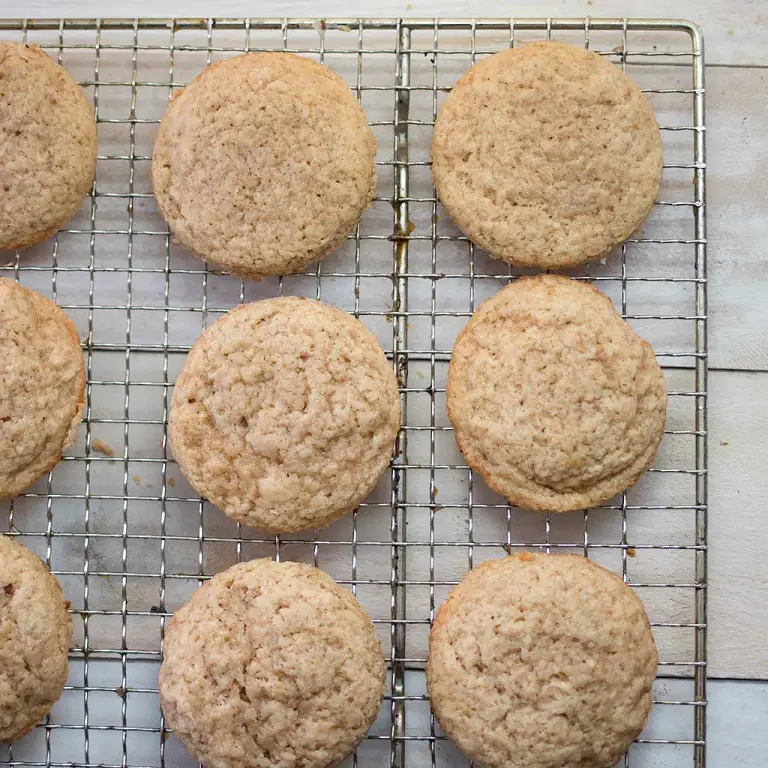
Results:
<point x="130" y="541"/>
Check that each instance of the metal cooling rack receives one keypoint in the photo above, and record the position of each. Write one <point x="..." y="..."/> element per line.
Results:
<point x="126" y="535"/>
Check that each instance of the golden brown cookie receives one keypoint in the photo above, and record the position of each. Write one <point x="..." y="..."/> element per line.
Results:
<point x="285" y="414"/>
<point x="263" y="164"/>
<point x="271" y="665"/>
<point x="554" y="399"/>
<point x="546" y="155"/>
<point x="43" y="392"/>
<point x="542" y="661"/>
<point x="35" y="633"/>
<point x="47" y="146"/>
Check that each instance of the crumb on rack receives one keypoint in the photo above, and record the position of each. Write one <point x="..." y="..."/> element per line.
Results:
<point x="99" y="446"/>
<point x="171" y="482"/>
<point x="631" y="552"/>
<point x="137" y="479"/>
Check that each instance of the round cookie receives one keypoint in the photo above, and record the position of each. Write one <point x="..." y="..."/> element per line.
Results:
<point x="271" y="665"/>
<point x="554" y="399"/>
<point x="547" y="155"/>
<point x="285" y="414"/>
<point x="542" y="661"/>
<point x="263" y="164"/>
<point x="47" y="146"/>
<point x="43" y="392"/>
<point x="35" y="633"/>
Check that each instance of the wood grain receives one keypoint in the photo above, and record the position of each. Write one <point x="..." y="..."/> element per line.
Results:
<point x="737" y="155"/>
<point x="738" y="565"/>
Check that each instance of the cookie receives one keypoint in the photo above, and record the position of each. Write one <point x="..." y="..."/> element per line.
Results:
<point x="285" y="414"/>
<point x="271" y="665"/>
<point x="35" y="633"/>
<point x="263" y="164"/>
<point x="554" y="399"/>
<point x="542" y="661"/>
<point x="47" y="146"/>
<point x="43" y="392"/>
<point x="547" y="155"/>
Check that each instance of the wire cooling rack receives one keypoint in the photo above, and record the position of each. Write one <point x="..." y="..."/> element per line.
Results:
<point x="129" y="539"/>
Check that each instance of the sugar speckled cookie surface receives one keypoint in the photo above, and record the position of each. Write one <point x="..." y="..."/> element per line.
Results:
<point x="43" y="386"/>
<point x="271" y="665"/>
<point x="47" y="146"/>
<point x="285" y="414"/>
<point x="35" y="633"/>
<point x="547" y="155"/>
<point x="264" y="163"/>
<point x="555" y="400"/>
<point x="542" y="661"/>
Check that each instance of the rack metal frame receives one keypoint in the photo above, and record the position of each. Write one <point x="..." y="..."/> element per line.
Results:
<point x="402" y="47"/>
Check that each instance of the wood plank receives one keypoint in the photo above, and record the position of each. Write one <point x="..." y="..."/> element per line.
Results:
<point x="737" y="155"/>
<point x="738" y="535"/>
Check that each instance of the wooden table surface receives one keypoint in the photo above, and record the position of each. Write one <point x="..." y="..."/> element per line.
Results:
<point x="736" y="40"/>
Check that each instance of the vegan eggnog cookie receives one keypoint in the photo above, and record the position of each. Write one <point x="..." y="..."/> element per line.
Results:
<point x="271" y="665"/>
<point x="555" y="400"/>
<point x="542" y="661"/>
<point x="47" y="146"/>
<point x="264" y="163"/>
<point x="43" y="386"/>
<point x="35" y="633"/>
<point x="546" y="155"/>
<point x="285" y="414"/>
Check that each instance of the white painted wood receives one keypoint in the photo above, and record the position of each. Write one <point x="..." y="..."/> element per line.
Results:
<point x="737" y="149"/>
<point x="736" y="30"/>
<point x="737" y="714"/>
<point x="738" y="542"/>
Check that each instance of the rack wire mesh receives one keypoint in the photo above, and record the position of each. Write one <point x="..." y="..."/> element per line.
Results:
<point x="129" y="539"/>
